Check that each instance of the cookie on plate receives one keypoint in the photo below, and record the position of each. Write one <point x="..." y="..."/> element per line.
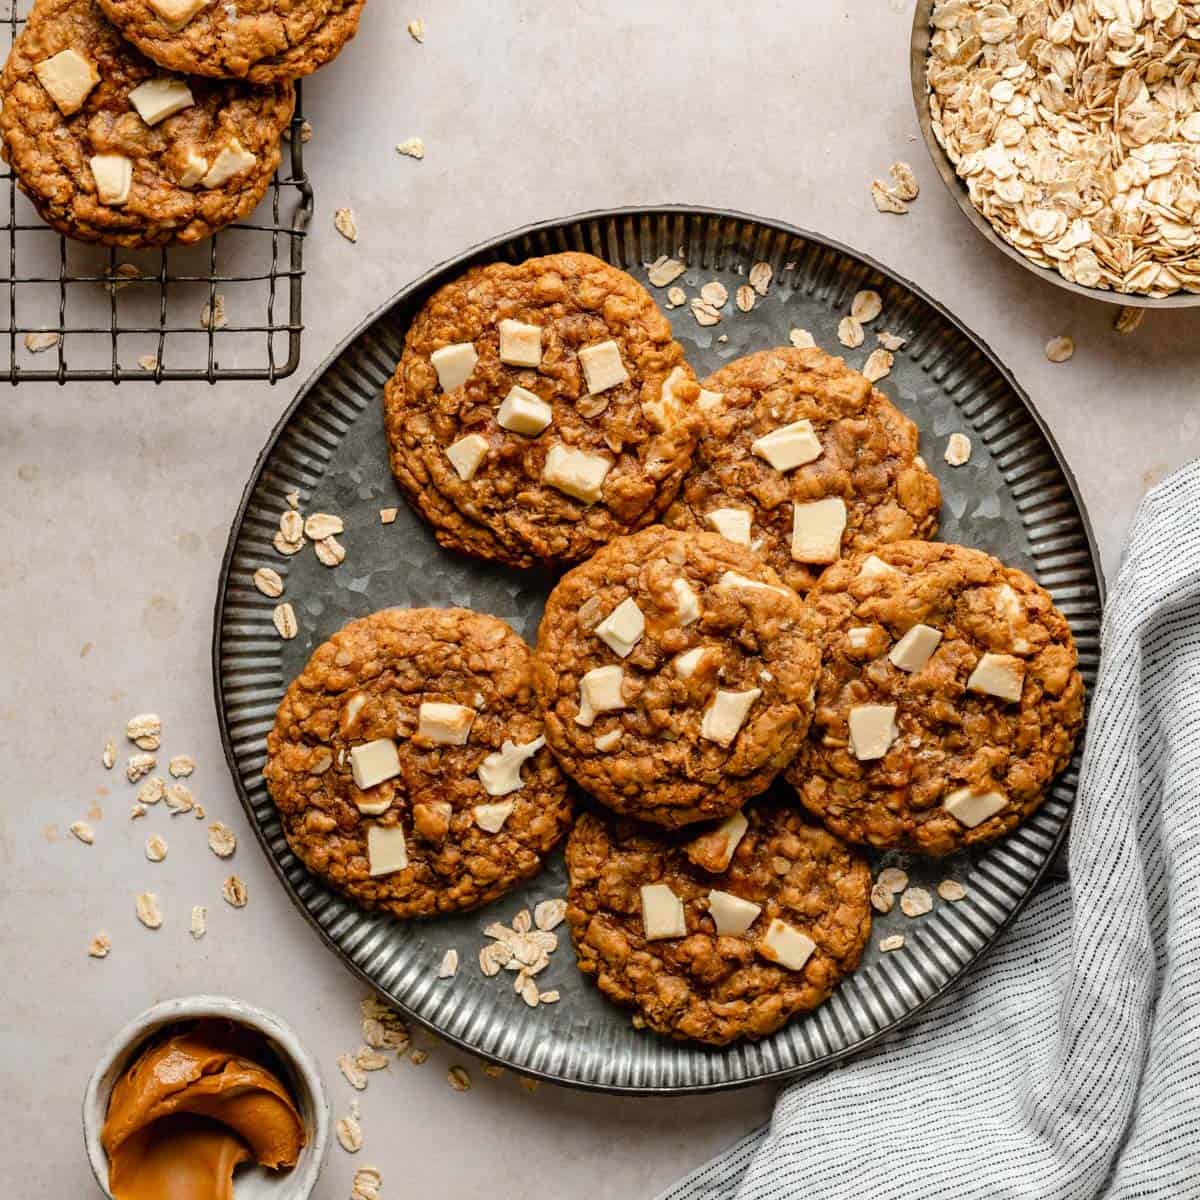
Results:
<point x="949" y="698"/>
<point x="540" y="410"/>
<point x="110" y="150"/>
<point x="805" y="461"/>
<point x="676" y="673"/>
<point x="408" y="765"/>
<point x="263" y="41"/>
<point x="718" y="935"/>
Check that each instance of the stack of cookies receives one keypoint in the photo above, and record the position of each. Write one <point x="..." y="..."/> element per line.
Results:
<point x="759" y="670"/>
<point x="154" y="122"/>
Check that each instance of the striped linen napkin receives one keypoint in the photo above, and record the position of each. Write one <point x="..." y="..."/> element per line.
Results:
<point x="1066" y="1066"/>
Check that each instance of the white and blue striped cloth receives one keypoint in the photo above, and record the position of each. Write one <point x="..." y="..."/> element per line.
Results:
<point x="1066" y="1066"/>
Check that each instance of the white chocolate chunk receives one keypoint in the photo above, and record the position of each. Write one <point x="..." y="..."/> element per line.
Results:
<point x="194" y="171"/>
<point x="175" y="14"/>
<point x="817" y="529"/>
<point x="523" y="412"/>
<point x="872" y="730"/>
<point x="113" y="174"/>
<point x="732" y="830"/>
<point x="733" y="524"/>
<point x="663" y="411"/>
<point x="1013" y="608"/>
<point x="69" y="78"/>
<point x="687" y="603"/>
<point x="915" y="648"/>
<point x="454" y="364"/>
<point x="973" y="808"/>
<point x="500" y="773"/>
<point x="491" y="817"/>
<point x="160" y="98"/>
<point x="998" y="675"/>
<point x="858" y="637"/>
<point x="662" y="913"/>
<point x="786" y="946"/>
<point x="686" y="663"/>
<point x="731" y="579"/>
<point x="599" y="691"/>
<point x="789" y="446"/>
<point x="445" y="724"/>
<point x="622" y="629"/>
<point x="520" y="344"/>
<point x="726" y="715"/>
<point x="710" y="400"/>
<point x="374" y="762"/>
<point x="233" y="160"/>
<point x="873" y="567"/>
<point x="606" y="741"/>
<point x="576" y="472"/>
<point x="466" y="454"/>
<point x="731" y="914"/>
<point x="386" y="849"/>
<point x="602" y="366"/>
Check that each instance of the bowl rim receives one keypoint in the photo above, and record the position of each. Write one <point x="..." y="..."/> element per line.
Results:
<point x="303" y="1177"/>
<point x="918" y="53"/>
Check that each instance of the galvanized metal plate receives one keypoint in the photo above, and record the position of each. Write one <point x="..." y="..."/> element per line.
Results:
<point x="1015" y="498"/>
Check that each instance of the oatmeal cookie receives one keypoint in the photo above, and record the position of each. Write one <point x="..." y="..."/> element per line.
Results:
<point x="263" y="41"/>
<point x="676" y="673"/>
<point x="76" y="105"/>
<point x="408" y="765"/>
<point x="540" y="410"/>
<point x="737" y="943"/>
<point x="804" y="460"/>
<point x="948" y="698"/>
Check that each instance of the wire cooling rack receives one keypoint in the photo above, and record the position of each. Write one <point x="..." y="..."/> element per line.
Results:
<point x="122" y="315"/>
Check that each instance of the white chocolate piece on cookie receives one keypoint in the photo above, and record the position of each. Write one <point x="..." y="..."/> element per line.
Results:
<point x="725" y="716"/>
<point x="733" y="524"/>
<point x="999" y="675"/>
<point x="973" y="808"/>
<point x="576" y="473"/>
<point x="872" y="730"/>
<point x="491" y="817"/>
<point x="69" y="78"/>
<point x="714" y="850"/>
<point x="523" y="412"/>
<point x="113" y="174"/>
<point x="859" y="637"/>
<point x="786" y="946"/>
<point x="915" y="648"/>
<point x="606" y="741"/>
<point x="731" y="914"/>
<point x="520" y="344"/>
<point x="817" y="529"/>
<point x="232" y="160"/>
<point x="372" y="763"/>
<point x="686" y="663"/>
<point x="445" y="724"/>
<point x="466" y="454"/>
<point x="662" y="913"/>
<point x="175" y="14"/>
<point x="664" y="410"/>
<point x="622" y="629"/>
<point x="600" y="691"/>
<point x="874" y="567"/>
<point x="602" y="366"/>
<point x="454" y="364"/>
<point x="687" y="603"/>
<point x="387" y="850"/>
<point x="160" y="98"/>
<point x="789" y="446"/>
<point x="731" y="580"/>
<point x="194" y="171"/>
<point x="710" y="400"/>
<point x="500" y="773"/>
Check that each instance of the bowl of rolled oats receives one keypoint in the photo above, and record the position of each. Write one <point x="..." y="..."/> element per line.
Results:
<point x="1068" y="131"/>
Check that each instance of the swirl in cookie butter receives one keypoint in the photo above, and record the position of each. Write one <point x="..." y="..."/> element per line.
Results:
<point x="190" y="1110"/>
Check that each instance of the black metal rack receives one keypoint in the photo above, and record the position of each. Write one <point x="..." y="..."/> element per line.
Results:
<point x="115" y="310"/>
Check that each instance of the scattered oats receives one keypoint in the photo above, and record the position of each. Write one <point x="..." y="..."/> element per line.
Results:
<point x="530" y="1085"/>
<point x="878" y="365"/>
<point x="181" y="766"/>
<point x="892" y="878"/>
<point x="704" y="312"/>
<point x="882" y="899"/>
<point x="369" y="1059"/>
<point x="35" y="343"/>
<point x="952" y="890"/>
<point x="549" y="914"/>
<point x="349" y="1134"/>
<point x="330" y="551"/>
<point x="894" y="942"/>
<point x="109" y="757"/>
<point x="418" y="1056"/>
<point x="493" y="1070"/>
<point x="138" y="766"/>
<point x="550" y="997"/>
<point x="1059" y="349"/>
<point x="890" y="341"/>
<point x="527" y="990"/>
<point x="284" y="618"/>
<point x="222" y="841"/>
<point x="388" y="515"/>
<point x="664" y="270"/>
<point x="412" y="147"/>
<point x="148" y="911"/>
<point x="152" y="791"/>
<point x="382" y="1026"/>
<point x="459" y="1080"/>
<point x="269" y="582"/>
<point x="323" y="525"/>
<point x="714" y="294"/>
<point x="199" y="813"/>
<point x="760" y="277"/>
<point x="156" y="848"/>
<point x="179" y="799"/>
<point x="490" y="960"/>
<point x="366" y="1185"/>
<point x="904" y="181"/>
<point x="915" y="902"/>
<point x="958" y="449"/>
<point x="199" y="921"/>
<point x="233" y="892"/>
<point x="449" y="965"/>
<point x="137" y="810"/>
<point x="802" y="339"/>
<point x="99" y="946"/>
<point x="523" y="921"/>
<point x="886" y="201"/>
<point x="744" y="297"/>
<point x="343" y="222"/>
<point x="676" y="297"/>
<point x="83" y="831"/>
<point x="723" y="338"/>
<point x="291" y="525"/>
<point x="355" y="1076"/>
<point x="122" y="276"/>
<point x="213" y="316"/>
<point x="866" y="306"/>
<point x="286" y="548"/>
<point x="147" y="362"/>
<point x="293" y="500"/>
<point x="1128" y="319"/>
<point x="416" y="29"/>
<point x="850" y="332"/>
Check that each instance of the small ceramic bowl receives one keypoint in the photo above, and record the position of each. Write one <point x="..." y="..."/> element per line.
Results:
<point x="300" y="1072"/>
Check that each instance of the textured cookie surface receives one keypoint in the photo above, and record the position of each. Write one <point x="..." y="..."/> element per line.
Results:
<point x="715" y="623"/>
<point x="52" y="154"/>
<point x="264" y="41"/>
<point x="862" y="451"/>
<point x="636" y="435"/>
<point x="370" y="683"/>
<point x="706" y="986"/>
<point x="956" y="746"/>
